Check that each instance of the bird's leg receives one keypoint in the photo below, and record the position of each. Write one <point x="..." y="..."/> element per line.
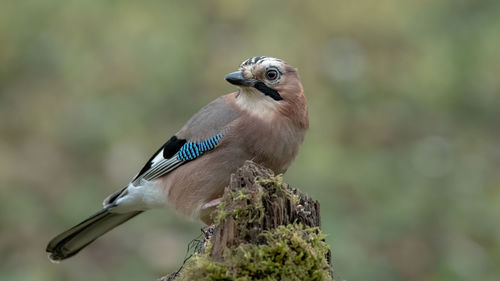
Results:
<point x="212" y="203"/>
<point x="207" y="209"/>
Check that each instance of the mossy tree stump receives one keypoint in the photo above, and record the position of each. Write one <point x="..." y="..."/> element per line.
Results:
<point x="263" y="230"/>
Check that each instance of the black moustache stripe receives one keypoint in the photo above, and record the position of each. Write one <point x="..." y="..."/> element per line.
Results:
<point x="268" y="91"/>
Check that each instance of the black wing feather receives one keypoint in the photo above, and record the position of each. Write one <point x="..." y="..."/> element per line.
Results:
<point x="170" y="148"/>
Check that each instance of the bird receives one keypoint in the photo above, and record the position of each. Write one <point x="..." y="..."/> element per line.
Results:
<point x="265" y="121"/>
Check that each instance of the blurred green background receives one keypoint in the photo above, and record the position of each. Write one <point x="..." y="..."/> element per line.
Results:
<point x="403" y="150"/>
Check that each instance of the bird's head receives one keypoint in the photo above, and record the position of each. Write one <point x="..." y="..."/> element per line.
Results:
<point x="271" y="78"/>
<point x="270" y="88"/>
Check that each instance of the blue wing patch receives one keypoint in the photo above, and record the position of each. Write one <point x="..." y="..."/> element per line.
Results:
<point x="193" y="150"/>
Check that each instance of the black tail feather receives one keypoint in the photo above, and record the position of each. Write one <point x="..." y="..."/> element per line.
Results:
<point x="70" y="242"/>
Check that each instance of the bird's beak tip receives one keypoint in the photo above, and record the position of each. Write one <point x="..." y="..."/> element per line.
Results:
<point x="237" y="78"/>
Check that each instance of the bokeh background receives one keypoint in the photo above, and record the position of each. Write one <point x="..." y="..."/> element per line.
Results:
<point x="403" y="150"/>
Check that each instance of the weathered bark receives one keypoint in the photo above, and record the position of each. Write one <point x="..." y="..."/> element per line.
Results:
<point x="256" y="202"/>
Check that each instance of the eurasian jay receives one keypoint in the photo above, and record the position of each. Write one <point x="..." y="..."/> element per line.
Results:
<point x="264" y="121"/>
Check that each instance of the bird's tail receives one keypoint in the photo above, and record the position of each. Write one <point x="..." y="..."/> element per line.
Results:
<point x="78" y="237"/>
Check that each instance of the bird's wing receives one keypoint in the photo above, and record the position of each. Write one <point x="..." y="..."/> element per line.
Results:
<point x="202" y="133"/>
<point x="174" y="153"/>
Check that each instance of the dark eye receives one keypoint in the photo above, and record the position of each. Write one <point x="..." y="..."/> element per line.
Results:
<point x="271" y="74"/>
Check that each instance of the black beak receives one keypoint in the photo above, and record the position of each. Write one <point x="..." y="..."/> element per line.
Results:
<point x="236" y="78"/>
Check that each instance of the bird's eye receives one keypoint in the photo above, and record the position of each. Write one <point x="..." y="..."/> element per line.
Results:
<point x="271" y="74"/>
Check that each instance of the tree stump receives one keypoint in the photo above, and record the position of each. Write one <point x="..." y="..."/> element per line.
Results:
<point x="263" y="230"/>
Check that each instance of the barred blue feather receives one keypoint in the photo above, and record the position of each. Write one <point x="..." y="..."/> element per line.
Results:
<point x="193" y="150"/>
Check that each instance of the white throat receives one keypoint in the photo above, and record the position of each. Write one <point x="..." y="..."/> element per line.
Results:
<point x="256" y="103"/>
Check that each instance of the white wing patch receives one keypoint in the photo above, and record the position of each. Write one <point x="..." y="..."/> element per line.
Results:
<point x="162" y="167"/>
<point x="158" y="158"/>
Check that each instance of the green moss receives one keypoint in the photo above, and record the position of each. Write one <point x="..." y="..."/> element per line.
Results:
<point x="290" y="253"/>
<point x="250" y="208"/>
<point x="237" y="204"/>
<point x="277" y="188"/>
